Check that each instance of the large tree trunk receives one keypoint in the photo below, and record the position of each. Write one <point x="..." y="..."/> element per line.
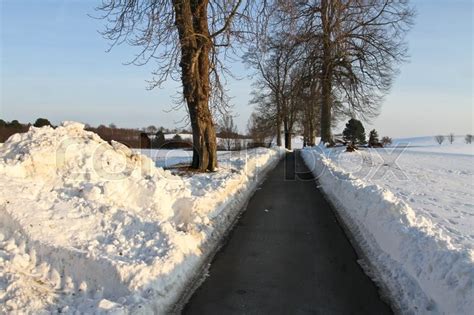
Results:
<point x="278" y="121"/>
<point x="278" y="132"/>
<point x="195" y="40"/>
<point x="288" y="140"/>
<point x="287" y="135"/>
<point x="326" y="135"/>
<point x="326" y="90"/>
<point x="311" y="132"/>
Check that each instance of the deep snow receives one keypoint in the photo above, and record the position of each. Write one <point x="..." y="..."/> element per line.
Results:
<point x="87" y="226"/>
<point x="429" y="144"/>
<point x="411" y="211"/>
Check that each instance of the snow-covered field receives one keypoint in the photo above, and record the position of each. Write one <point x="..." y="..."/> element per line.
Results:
<point x="87" y="226"/>
<point x="168" y="158"/>
<point x="428" y="144"/>
<point x="412" y="212"/>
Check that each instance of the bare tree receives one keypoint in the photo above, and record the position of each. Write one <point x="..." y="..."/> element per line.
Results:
<point x="258" y="130"/>
<point x="468" y="138"/>
<point x="151" y="129"/>
<point x="357" y="45"/>
<point x="191" y="34"/>
<point x="308" y="95"/>
<point x="228" y="132"/>
<point x="386" y="141"/>
<point x="451" y="138"/>
<point x="275" y="62"/>
<point x="263" y="122"/>
<point x="439" y="139"/>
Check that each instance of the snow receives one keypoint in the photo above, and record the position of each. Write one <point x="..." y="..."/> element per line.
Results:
<point x="167" y="158"/>
<point x="91" y="227"/>
<point x="184" y="136"/>
<point x="429" y="144"/>
<point x="411" y="211"/>
<point x="296" y="141"/>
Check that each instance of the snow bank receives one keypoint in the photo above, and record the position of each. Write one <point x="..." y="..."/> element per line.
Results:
<point x="87" y="226"/>
<point x="419" y="266"/>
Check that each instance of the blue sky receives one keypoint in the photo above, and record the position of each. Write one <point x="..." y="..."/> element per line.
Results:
<point x="54" y="65"/>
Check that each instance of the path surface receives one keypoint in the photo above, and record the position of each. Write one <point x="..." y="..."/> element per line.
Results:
<point x="287" y="255"/>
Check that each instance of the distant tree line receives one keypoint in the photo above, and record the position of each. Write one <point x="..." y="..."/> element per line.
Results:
<point x="150" y="137"/>
<point x="134" y="138"/>
<point x="451" y="137"/>
<point x="7" y="129"/>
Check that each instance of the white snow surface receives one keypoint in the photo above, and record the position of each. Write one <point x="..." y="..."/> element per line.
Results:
<point x="90" y="227"/>
<point x="167" y="158"/>
<point x="411" y="211"/>
<point x="429" y="144"/>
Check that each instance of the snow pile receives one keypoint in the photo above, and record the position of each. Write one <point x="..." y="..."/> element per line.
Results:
<point x="420" y="266"/>
<point x="87" y="226"/>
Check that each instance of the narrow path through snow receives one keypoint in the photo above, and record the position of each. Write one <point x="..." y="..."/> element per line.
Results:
<point x="287" y="255"/>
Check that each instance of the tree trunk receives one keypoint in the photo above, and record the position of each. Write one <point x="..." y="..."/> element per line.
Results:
<point x="287" y="133"/>
<point x="288" y="140"/>
<point x="278" y="121"/>
<point x="195" y="41"/>
<point x="326" y="135"/>
<point x="326" y="90"/>
<point x="311" y="132"/>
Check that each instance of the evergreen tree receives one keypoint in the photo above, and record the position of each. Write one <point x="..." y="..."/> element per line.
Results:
<point x="40" y="122"/>
<point x="159" y="140"/>
<point x="373" y="138"/>
<point x="354" y="132"/>
<point x="14" y="124"/>
<point x="177" y="138"/>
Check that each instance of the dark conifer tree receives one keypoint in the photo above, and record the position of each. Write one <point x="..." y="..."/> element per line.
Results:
<point x="354" y="132"/>
<point x="373" y="138"/>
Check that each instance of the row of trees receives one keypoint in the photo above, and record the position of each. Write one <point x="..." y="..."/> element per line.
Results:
<point x="325" y="60"/>
<point x="440" y="138"/>
<point x="9" y="128"/>
<point x="15" y="124"/>
<point x="316" y="60"/>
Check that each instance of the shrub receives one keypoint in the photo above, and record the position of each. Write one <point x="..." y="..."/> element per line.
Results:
<point x="386" y="141"/>
<point x="451" y="138"/>
<point x="374" y="138"/>
<point x="159" y="140"/>
<point x="439" y="139"/>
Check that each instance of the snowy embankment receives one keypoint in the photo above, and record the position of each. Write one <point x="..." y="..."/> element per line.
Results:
<point x="87" y="226"/>
<point x="401" y="210"/>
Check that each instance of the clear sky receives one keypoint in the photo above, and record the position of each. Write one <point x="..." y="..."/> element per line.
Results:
<point x="54" y="65"/>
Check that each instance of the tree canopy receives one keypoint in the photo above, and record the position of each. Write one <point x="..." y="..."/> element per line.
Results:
<point x="354" y="132"/>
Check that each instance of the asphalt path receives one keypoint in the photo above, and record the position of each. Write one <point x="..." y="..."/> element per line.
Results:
<point x="287" y="255"/>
